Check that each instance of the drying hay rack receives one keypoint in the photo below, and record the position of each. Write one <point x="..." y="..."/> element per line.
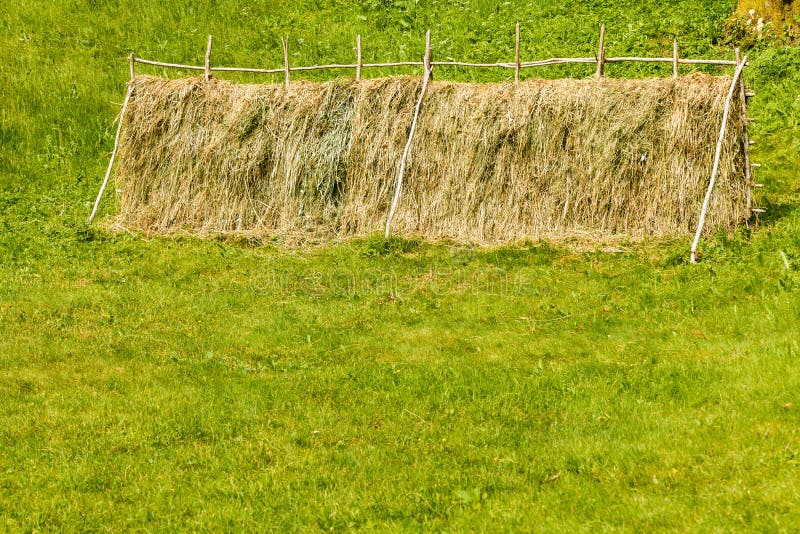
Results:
<point x="427" y="63"/>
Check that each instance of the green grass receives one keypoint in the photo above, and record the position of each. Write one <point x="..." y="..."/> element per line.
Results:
<point x="182" y="384"/>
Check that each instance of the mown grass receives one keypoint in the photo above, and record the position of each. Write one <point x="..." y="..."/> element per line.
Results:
<point x="182" y="384"/>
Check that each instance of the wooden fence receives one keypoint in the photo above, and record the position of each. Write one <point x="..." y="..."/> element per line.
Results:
<point x="427" y="63"/>
<point x="599" y="59"/>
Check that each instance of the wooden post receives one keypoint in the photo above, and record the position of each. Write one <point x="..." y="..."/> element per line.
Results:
<point x="748" y="168"/>
<point x="285" y="43"/>
<point x="717" y="154"/>
<point x="113" y="154"/>
<point x="675" y="58"/>
<point x="601" y="53"/>
<point x="132" y="61"/>
<point x="426" y="63"/>
<point x="208" y="59"/>
<point x="358" y="55"/>
<point x="516" y="57"/>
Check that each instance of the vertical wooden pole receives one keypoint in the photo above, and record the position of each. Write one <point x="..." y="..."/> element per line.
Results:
<point x="516" y="57"/>
<point x="675" y="58"/>
<point x="748" y="168"/>
<point x="285" y="43"/>
<point x="426" y="63"/>
<point x="358" y="54"/>
<point x="601" y="53"/>
<point x="208" y="59"/>
<point x="132" y="61"/>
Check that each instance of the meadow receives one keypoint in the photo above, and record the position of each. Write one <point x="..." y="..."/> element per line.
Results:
<point x="156" y="384"/>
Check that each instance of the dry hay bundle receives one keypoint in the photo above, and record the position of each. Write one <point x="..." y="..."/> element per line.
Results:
<point x="489" y="163"/>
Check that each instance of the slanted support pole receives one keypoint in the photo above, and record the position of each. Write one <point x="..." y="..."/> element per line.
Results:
<point x="601" y="53"/>
<point x="113" y="154"/>
<point x="426" y="64"/>
<point x="208" y="59"/>
<point x="717" y="154"/>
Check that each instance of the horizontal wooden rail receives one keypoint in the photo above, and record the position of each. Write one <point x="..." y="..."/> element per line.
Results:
<point x="503" y="65"/>
<point x="467" y="64"/>
<point x="395" y="64"/>
<point x="672" y="60"/>
<point x="245" y="69"/>
<point x="171" y="65"/>
<point x="280" y="69"/>
<point x="557" y="61"/>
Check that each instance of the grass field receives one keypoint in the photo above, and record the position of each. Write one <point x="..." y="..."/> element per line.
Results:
<point x="181" y="384"/>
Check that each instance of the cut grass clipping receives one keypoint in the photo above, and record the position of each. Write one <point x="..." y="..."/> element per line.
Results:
<point x="489" y="163"/>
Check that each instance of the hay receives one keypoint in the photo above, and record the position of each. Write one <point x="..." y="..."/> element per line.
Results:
<point x="489" y="163"/>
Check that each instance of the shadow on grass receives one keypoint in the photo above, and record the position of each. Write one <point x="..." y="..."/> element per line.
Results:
<point x="777" y="212"/>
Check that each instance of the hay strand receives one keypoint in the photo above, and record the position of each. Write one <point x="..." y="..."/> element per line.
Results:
<point x="717" y="155"/>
